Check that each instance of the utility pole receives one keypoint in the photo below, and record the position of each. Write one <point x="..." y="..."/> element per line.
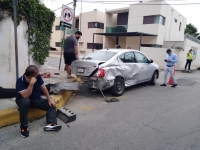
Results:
<point x="15" y="2"/>
<point x="74" y="20"/>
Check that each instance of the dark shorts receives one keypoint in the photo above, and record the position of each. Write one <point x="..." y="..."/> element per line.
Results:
<point x="69" y="57"/>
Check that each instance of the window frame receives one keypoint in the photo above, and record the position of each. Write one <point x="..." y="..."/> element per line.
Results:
<point x="57" y="43"/>
<point x="180" y="24"/>
<point x="124" y="57"/>
<point x="96" y="24"/>
<point x="143" y="55"/>
<point x="161" y="18"/>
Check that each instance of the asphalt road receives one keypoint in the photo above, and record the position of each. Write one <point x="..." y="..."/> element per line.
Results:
<point x="54" y="63"/>
<point x="146" y="118"/>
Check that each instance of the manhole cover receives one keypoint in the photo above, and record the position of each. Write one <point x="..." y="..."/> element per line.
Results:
<point x="185" y="82"/>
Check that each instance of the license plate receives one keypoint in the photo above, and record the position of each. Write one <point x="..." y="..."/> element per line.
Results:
<point x="80" y="70"/>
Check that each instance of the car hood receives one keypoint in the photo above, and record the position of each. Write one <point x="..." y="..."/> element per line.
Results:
<point x="85" y="67"/>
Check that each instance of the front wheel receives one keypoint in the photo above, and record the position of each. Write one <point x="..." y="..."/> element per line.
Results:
<point x="154" y="78"/>
<point x="118" y="88"/>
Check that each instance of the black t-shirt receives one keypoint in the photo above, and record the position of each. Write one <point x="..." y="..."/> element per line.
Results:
<point x="70" y="42"/>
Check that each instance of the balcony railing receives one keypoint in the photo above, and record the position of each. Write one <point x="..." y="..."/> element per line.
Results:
<point x="116" y="29"/>
<point x="71" y="31"/>
<point x="192" y="38"/>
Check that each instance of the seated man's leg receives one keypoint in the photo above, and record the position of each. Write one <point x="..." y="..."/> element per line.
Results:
<point x="51" y="117"/>
<point x="24" y="104"/>
<point x="51" y="110"/>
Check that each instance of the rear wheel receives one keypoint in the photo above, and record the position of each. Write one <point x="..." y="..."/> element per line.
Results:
<point x="154" y="78"/>
<point x="118" y="88"/>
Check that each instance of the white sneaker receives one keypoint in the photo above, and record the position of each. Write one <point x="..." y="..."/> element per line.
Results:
<point x="52" y="127"/>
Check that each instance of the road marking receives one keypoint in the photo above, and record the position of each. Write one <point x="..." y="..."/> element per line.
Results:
<point x="86" y="108"/>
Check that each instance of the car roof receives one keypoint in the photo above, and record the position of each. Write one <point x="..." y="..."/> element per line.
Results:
<point x="118" y="50"/>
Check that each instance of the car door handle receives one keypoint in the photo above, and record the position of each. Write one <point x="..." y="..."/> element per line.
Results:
<point x="142" y="67"/>
<point x="124" y="68"/>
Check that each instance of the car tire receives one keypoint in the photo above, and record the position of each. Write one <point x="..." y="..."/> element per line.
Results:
<point x="154" y="78"/>
<point x="118" y="88"/>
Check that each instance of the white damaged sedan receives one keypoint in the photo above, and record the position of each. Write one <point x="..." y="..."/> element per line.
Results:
<point x="115" y="69"/>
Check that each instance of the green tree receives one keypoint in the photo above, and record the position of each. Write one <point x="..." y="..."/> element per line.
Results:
<point x="191" y="30"/>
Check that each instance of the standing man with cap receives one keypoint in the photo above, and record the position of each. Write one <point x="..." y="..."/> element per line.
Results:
<point x="170" y="60"/>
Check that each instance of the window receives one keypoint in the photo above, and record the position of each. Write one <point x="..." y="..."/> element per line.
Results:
<point x="77" y="24"/>
<point x="57" y="44"/>
<point x="95" y="25"/>
<point x="151" y="45"/>
<point x="99" y="55"/>
<point x="180" y="26"/>
<point x="57" y="27"/>
<point x="96" y="46"/>
<point x="154" y="20"/>
<point x="141" y="58"/>
<point x="128" y="57"/>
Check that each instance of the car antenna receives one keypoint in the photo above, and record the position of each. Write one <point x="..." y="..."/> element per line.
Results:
<point x="106" y="48"/>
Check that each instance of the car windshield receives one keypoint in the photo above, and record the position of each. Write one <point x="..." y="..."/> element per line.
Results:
<point x="99" y="55"/>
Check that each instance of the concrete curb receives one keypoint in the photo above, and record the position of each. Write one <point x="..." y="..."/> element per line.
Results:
<point x="11" y="116"/>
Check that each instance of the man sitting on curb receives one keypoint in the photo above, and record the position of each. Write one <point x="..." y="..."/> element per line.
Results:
<point x="28" y="96"/>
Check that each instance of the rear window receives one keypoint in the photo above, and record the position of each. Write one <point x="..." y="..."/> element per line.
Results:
<point x="99" y="55"/>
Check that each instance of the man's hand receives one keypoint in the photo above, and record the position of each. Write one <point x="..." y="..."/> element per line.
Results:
<point x="168" y="60"/>
<point x="51" y="102"/>
<point x="33" y="80"/>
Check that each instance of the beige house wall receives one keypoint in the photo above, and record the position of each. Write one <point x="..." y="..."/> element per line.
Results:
<point x="87" y="33"/>
<point x="57" y="35"/>
<point x="109" y="42"/>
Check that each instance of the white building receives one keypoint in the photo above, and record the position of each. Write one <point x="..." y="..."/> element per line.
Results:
<point x="155" y="18"/>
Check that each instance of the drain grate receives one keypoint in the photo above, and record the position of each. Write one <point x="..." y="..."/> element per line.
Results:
<point x="185" y="82"/>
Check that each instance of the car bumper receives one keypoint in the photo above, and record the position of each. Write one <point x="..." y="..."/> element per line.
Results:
<point x="98" y="83"/>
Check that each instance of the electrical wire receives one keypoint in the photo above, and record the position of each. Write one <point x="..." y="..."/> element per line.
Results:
<point x="61" y="7"/>
<point x="93" y="4"/>
<point x="153" y="4"/>
<point x="142" y="3"/>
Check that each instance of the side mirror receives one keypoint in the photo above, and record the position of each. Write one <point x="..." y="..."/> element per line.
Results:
<point x="150" y="61"/>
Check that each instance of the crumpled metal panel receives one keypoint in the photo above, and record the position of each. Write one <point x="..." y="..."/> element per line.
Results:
<point x="131" y="74"/>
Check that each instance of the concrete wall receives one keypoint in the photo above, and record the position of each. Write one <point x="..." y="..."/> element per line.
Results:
<point x="7" y="52"/>
<point x="182" y="56"/>
<point x="158" y="55"/>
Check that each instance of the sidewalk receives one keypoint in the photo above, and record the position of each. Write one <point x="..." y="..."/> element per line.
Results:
<point x="9" y="113"/>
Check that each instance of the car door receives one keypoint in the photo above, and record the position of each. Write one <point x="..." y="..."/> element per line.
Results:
<point x="145" y="69"/>
<point x="129" y="68"/>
